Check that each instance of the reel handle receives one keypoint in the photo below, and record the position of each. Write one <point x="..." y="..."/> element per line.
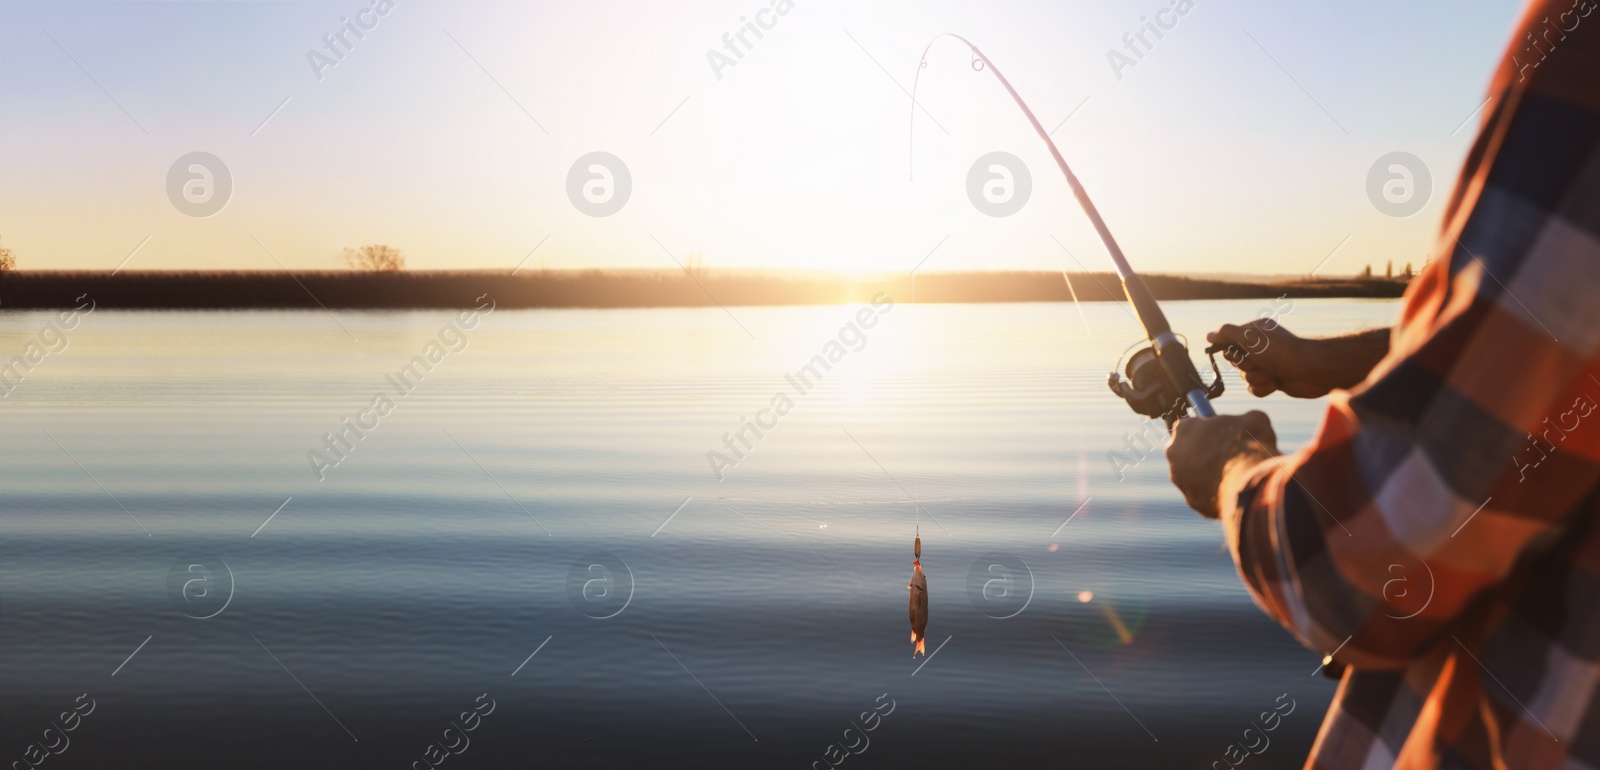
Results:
<point x="1200" y="399"/>
<point x="1230" y="351"/>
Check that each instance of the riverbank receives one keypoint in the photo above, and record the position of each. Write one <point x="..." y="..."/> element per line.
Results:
<point x="612" y="289"/>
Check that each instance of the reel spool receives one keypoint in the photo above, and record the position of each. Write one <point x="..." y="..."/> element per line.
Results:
<point x="1144" y="382"/>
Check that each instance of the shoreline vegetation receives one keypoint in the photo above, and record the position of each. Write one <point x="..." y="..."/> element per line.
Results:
<point x="406" y="290"/>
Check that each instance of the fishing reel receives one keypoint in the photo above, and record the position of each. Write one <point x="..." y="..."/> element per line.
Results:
<point x="1157" y="379"/>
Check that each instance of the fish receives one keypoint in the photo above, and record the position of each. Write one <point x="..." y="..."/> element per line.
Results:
<point x="918" y="608"/>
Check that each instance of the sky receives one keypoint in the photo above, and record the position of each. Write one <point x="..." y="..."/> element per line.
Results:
<point x="1240" y="140"/>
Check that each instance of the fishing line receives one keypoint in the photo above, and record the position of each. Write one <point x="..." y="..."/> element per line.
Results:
<point x="979" y="63"/>
<point x="1161" y="379"/>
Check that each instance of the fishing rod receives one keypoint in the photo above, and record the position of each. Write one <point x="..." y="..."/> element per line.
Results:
<point x="1158" y="380"/>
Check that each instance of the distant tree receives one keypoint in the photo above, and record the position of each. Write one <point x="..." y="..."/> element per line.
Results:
<point x="1388" y="270"/>
<point x="1366" y="272"/>
<point x="694" y="263"/>
<point x="8" y="260"/>
<point x="1407" y="274"/>
<point x="376" y="258"/>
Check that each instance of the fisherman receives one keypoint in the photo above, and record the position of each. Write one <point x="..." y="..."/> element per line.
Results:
<point x="1462" y="446"/>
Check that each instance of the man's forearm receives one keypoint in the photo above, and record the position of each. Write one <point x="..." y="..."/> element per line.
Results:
<point x="1343" y="362"/>
<point x="1236" y="476"/>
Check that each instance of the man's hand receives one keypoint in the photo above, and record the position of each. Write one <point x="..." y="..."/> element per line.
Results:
<point x="1274" y="359"/>
<point x="1204" y="451"/>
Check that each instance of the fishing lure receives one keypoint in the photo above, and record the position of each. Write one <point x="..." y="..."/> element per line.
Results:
<point x="919" y="601"/>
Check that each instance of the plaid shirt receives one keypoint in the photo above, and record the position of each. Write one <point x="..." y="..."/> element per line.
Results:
<point x="1439" y="535"/>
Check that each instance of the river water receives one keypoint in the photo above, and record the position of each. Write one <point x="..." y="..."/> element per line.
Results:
<point x="534" y="523"/>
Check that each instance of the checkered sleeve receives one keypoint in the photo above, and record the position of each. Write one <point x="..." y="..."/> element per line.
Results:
<point x="1466" y="449"/>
